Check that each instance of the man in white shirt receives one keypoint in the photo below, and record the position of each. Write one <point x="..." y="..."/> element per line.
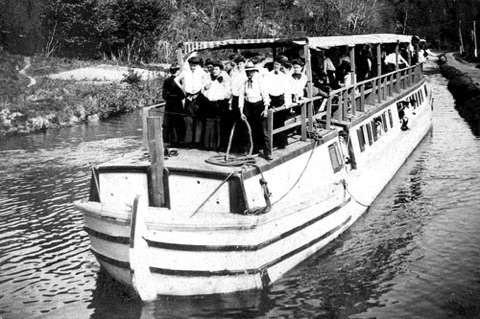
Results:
<point x="391" y="61"/>
<point x="253" y="103"/>
<point x="330" y="70"/>
<point x="278" y="87"/>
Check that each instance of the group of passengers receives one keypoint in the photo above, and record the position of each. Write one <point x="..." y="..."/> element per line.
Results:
<point x="205" y="99"/>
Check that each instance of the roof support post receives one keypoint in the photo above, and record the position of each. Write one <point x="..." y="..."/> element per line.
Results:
<point x="379" y="72"/>
<point x="179" y="56"/>
<point x="352" y="64"/>
<point x="397" y="75"/>
<point x="308" y="71"/>
<point x="270" y="127"/>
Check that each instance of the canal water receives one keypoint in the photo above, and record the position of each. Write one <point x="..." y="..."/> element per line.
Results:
<point x="414" y="254"/>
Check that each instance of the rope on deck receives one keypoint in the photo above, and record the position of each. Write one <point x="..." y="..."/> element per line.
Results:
<point x="227" y="160"/>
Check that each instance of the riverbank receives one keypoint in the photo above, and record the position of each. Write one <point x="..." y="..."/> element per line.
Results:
<point x="39" y="93"/>
<point x="464" y="84"/>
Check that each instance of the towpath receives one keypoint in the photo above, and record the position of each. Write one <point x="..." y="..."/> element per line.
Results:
<point x="468" y="68"/>
<point x="23" y="71"/>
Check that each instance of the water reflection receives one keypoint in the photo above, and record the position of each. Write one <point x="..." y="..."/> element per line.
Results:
<point x="45" y="262"/>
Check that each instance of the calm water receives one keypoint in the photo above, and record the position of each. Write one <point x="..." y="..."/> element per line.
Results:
<point x="415" y="254"/>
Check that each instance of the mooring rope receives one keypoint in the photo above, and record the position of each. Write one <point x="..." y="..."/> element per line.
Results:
<point x="227" y="160"/>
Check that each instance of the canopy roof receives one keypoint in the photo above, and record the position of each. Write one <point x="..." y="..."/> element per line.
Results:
<point x="313" y="42"/>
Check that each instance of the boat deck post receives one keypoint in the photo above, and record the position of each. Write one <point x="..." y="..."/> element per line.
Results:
<point x="155" y="139"/>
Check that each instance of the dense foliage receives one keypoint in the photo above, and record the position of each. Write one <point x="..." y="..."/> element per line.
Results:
<point x="148" y="30"/>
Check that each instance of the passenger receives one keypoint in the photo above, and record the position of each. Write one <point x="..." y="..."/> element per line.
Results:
<point x="413" y="49"/>
<point x="299" y="81"/>
<point x="391" y="61"/>
<point x="217" y="96"/>
<point x="254" y="102"/>
<point x="173" y="124"/>
<point x="208" y="66"/>
<point x="193" y="80"/>
<point x="344" y="55"/>
<point x="379" y="127"/>
<point x="321" y="88"/>
<point x="402" y="114"/>
<point x="230" y="64"/>
<point x="330" y="70"/>
<point x="364" y="64"/>
<point x="422" y="54"/>
<point x="277" y="85"/>
<point x="344" y="74"/>
<point x="260" y="63"/>
<point x="287" y="68"/>
<point x="342" y="137"/>
<point x="238" y="77"/>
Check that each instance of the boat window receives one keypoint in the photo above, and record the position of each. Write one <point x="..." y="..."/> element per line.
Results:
<point x="391" y="117"/>
<point x="426" y="92"/>
<point x="361" y="139"/>
<point x="421" y="96"/>
<point x="385" y="125"/>
<point x="374" y="131"/>
<point x="369" y="134"/>
<point x="335" y="157"/>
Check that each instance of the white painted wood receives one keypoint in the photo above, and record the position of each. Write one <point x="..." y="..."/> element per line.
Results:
<point x="121" y="188"/>
<point x="317" y="192"/>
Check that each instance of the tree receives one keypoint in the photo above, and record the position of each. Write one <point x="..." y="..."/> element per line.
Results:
<point x="69" y="27"/>
<point x="128" y="29"/>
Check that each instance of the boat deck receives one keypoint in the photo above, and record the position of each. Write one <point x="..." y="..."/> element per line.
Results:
<point x="191" y="160"/>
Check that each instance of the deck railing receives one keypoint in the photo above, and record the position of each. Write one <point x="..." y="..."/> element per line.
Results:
<point x="348" y="100"/>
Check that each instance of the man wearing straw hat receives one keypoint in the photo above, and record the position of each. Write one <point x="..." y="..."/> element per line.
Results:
<point x="253" y="103"/>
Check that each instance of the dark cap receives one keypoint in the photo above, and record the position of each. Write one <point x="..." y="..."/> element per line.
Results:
<point x="217" y="64"/>
<point x="194" y="60"/>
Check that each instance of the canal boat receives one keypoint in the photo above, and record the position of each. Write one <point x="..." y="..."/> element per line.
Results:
<point x="182" y="225"/>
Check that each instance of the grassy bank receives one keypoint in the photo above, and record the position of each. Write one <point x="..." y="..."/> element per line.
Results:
<point x="55" y="103"/>
<point x="466" y="93"/>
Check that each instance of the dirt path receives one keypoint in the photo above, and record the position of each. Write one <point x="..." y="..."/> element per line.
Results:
<point x="467" y="68"/>
<point x="28" y="63"/>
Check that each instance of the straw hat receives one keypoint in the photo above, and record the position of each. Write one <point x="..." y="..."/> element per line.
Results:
<point x="249" y="66"/>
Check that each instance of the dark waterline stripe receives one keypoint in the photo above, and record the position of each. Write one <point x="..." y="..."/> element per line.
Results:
<point x="113" y="239"/>
<point x="206" y="273"/>
<point x="226" y="248"/>
<point x="183" y="247"/>
<point x="111" y="261"/>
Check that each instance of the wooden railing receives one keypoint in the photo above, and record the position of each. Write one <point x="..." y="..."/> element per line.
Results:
<point x="368" y="92"/>
<point x="350" y="100"/>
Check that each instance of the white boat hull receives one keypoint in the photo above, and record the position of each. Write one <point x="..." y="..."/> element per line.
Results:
<point x="215" y="251"/>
